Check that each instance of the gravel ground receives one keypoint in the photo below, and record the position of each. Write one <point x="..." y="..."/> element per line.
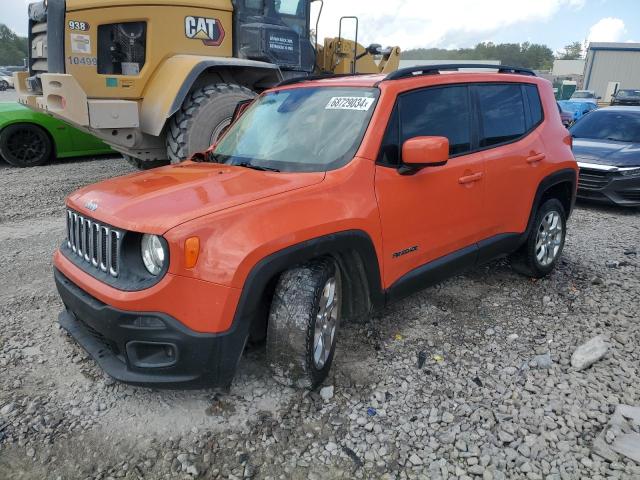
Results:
<point x="469" y="379"/>
<point x="8" y="96"/>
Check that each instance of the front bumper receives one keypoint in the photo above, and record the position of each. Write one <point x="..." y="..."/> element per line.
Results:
<point x="149" y="348"/>
<point x="606" y="185"/>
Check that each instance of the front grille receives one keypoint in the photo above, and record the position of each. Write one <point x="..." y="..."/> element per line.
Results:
<point x="46" y="41"/>
<point x="630" y="195"/>
<point x="97" y="244"/>
<point x="38" y="39"/>
<point x="591" y="179"/>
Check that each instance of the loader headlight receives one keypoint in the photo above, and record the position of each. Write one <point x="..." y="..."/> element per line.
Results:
<point x="153" y="253"/>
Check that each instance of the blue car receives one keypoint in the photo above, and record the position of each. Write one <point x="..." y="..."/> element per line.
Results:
<point x="577" y="109"/>
<point x="606" y="145"/>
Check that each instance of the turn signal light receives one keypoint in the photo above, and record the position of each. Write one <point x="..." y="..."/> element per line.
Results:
<point x="191" y="252"/>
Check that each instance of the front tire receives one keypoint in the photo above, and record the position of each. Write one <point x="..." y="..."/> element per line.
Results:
<point x="203" y="118"/>
<point x="303" y="323"/>
<point x="540" y="254"/>
<point x="4" y="85"/>
<point x="25" y="145"/>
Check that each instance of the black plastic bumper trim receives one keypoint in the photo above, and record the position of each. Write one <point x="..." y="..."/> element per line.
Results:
<point x="202" y="359"/>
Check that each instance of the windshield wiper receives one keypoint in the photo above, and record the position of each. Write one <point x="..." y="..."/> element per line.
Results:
<point x="255" y="167"/>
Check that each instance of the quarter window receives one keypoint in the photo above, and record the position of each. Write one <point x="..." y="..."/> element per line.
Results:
<point x="535" y="106"/>
<point x="502" y="113"/>
<point x="442" y="112"/>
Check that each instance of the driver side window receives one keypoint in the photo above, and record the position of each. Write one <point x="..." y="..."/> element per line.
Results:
<point x="440" y="111"/>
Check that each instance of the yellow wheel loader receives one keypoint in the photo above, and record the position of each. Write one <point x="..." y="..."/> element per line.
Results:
<point x="158" y="80"/>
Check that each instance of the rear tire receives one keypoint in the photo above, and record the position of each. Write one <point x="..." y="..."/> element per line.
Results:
<point x="25" y="145"/>
<point x="204" y="116"/>
<point x="543" y="248"/>
<point x="303" y="323"/>
<point x="144" y="164"/>
<point x="4" y="85"/>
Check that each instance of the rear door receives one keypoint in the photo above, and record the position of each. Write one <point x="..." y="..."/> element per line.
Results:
<point x="509" y="115"/>
<point x="437" y="210"/>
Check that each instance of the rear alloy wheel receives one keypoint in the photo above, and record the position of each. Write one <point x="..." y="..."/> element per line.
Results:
<point x="205" y="115"/>
<point x="303" y="323"/>
<point x="25" y="145"/>
<point x="539" y="255"/>
<point x="4" y="85"/>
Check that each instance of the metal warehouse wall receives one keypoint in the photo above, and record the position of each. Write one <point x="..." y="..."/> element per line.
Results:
<point x="612" y="65"/>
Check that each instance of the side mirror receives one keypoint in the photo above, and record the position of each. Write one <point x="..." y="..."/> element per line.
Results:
<point x="420" y="152"/>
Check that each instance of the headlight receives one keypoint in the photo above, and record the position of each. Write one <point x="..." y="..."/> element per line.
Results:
<point x="153" y="254"/>
<point x="629" y="172"/>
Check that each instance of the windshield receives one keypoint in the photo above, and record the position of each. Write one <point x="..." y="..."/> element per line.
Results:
<point x="299" y="130"/>
<point x="612" y="125"/>
<point x="582" y="95"/>
<point x="628" y="93"/>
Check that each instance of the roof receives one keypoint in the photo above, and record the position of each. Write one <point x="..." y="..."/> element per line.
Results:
<point x="615" y="46"/>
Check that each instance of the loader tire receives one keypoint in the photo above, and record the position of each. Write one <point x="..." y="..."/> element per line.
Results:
<point x="144" y="164"/>
<point x="205" y="115"/>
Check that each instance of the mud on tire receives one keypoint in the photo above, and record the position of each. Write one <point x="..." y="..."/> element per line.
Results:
<point x="204" y="115"/>
<point x="295" y="310"/>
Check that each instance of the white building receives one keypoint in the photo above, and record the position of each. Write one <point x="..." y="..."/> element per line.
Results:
<point x="568" y="68"/>
<point x="612" y="66"/>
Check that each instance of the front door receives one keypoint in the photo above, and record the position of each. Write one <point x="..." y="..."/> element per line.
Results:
<point x="437" y="211"/>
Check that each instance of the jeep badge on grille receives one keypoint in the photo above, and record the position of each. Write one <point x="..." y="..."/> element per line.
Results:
<point x="91" y="206"/>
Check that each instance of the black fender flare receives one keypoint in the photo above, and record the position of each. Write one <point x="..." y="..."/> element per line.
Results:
<point x="335" y="244"/>
<point x="567" y="175"/>
<point x="267" y="73"/>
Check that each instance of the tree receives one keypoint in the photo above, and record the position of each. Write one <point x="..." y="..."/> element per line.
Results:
<point x="573" y="51"/>
<point x="13" y="49"/>
<point x="528" y="55"/>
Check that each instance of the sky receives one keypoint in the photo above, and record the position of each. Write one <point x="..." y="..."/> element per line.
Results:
<point x="457" y="23"/>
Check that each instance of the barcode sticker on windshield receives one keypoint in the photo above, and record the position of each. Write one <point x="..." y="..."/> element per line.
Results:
<point x="350" y="103"/>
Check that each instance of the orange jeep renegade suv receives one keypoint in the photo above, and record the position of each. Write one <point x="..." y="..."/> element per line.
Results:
<point x="325" y="199"/>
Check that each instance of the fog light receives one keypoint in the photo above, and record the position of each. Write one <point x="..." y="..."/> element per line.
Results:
<point x="151" y="354"/>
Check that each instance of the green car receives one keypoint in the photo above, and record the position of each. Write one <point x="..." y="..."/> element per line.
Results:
<point x="29" y="138"/>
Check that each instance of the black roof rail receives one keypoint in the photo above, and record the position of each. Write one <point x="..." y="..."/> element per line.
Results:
<point x="436" y="69"/>
<point x="310" y="78"/>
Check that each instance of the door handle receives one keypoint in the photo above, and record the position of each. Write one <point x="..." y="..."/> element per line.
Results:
<point x="474" y="177"/>
<point x="538" y="157"/>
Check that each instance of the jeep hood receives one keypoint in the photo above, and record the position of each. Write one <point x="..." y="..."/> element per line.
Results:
<point x="158" y="200"/>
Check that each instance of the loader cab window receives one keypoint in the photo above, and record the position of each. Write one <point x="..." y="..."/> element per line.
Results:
<point x="290" y="7"/>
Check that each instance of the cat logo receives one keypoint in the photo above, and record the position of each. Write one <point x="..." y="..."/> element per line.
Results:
<point x="209" y="30"/>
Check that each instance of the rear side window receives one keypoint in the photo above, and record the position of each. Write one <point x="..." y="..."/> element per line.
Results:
<point x="502" y="113"/>
<point x="535" y="106"/>
<point x="442" y="111"/>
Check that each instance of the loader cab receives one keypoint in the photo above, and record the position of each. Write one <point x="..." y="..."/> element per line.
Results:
<point x="274" y="31"/>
